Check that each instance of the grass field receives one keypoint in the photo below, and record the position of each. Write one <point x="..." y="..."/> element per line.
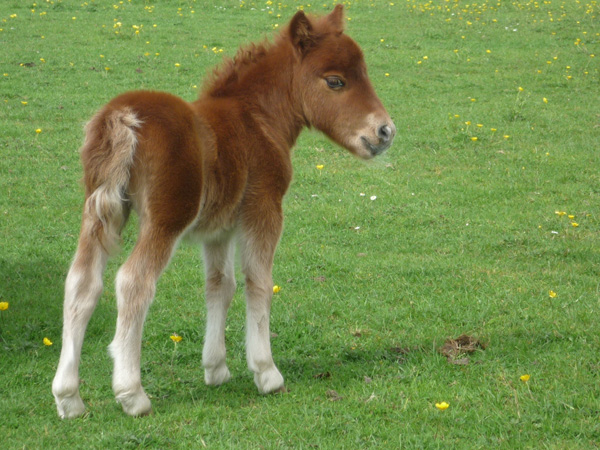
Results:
<point x="483" y="219"/>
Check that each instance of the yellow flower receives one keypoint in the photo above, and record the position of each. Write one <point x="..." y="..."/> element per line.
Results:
<point x="552" y="294"/>
<point x="442" y="406"/>
<point x="47" y="342"/>
<point x="571" y="216"/>
<point x="23" y="103"/>
<point x="524" y="378"/>
<point x="387" y="74"/>
<point x="176" y="338"/>
<point x="3" y="306"/>
<point x="474" y="138"/>
<point x="320" y="166"/>
<point x="560" y="213"/>
<point x="38" y="131"/>
<point x="575" y="224"/>
<point x="521" y="89"/>
<point x="276" y="289"/>
<point x="177" y="64"/>
<point x="545" y="100"/>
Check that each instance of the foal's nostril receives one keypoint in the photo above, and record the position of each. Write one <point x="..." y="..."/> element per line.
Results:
<point x="385" y="137"/>
<point x="385" y="133"/>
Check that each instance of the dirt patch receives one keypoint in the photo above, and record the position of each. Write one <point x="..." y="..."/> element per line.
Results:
<point x="455" y="350"/>
<point x="322" y="376"/>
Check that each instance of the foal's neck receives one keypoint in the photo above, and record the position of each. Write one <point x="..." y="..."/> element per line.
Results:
<point x="261" y="81"/>
<point x="278" y="101"/>
<point x="275" y="100"/>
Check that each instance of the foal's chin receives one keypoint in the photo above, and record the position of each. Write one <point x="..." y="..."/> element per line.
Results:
<point x="363" y="149"/>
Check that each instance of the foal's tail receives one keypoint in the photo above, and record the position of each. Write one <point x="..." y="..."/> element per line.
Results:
<point x="108" y="155"/>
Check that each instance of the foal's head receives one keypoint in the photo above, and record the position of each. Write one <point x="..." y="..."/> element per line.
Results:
<point x="336" y="94"/>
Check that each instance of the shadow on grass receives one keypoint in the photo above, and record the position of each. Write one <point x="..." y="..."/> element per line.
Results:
<point x="350" y="364"/>
<point x="34" y="291"/>
<point x="185" y="385"/>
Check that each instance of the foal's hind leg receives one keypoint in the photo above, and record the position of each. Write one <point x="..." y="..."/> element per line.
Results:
<point x="258" y="243"/>
<point x="220" y="288"/>
<point x="82" y="289"/>
<point x="136" y="285"/>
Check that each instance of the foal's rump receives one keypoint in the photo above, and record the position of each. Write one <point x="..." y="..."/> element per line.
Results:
<point x="142" y="150"/>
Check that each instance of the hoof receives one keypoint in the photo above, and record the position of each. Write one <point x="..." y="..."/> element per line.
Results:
<point x="135" y="404"/>
<point x="270" y="381"/>
<point x="70" y="407"/>
<point x="216" y="376"/>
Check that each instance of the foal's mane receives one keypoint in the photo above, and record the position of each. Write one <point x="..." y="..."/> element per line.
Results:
<point x="231" y="70"/>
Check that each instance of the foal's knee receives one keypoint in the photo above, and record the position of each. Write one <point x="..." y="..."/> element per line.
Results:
<point x="259" y="286"/>
<point x="221" y="284"/>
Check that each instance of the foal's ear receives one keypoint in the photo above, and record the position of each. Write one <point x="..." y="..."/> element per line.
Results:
<point x="336" y="18"/>
<point x="301" y="32"/>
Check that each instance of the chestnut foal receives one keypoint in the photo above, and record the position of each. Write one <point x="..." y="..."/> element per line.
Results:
<point x="216" y="170"/>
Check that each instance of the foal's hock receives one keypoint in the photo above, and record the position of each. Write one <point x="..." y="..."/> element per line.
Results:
<point x="215" y="169"/>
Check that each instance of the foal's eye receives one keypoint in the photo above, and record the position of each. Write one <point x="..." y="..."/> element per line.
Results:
<point x="335" y="82"/>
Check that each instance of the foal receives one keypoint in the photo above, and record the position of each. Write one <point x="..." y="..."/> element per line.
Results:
<point x="216" y="170"/>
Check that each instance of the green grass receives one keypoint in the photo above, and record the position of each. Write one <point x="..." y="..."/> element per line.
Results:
<point x="462" y="237"/>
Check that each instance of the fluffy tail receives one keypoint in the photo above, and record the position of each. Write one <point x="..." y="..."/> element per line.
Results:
<point x="108" y="155"/>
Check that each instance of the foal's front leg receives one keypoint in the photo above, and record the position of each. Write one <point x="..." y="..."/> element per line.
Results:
<point x="220" y="288"/>
<point x="258" y="247"/>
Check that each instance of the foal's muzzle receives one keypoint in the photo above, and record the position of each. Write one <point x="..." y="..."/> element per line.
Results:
<point x="385" y="137"/>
